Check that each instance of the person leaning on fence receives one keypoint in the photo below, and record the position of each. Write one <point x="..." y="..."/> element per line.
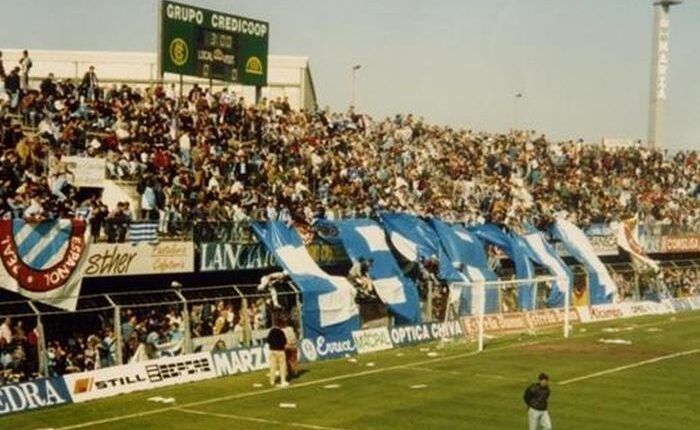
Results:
<point x="277" y="341"/>
<point x="359" y="276"/>
<point x="270" y="282"/>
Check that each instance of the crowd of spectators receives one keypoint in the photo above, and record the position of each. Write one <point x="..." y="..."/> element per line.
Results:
<point x="18" y="351"/>
<point x="682" y="282"/>
<point x="213" y="156"/>
<point x="149" y="332"/>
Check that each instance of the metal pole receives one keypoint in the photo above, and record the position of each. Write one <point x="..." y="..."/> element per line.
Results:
<point x="659" y="72"/>
<point x="181" y="87"/>
<point x="41" y="345"/>
<point x="297" y="294"/>
<point x="481" y="330"/>
<point x="352" y="95"/>
<point x="247" y="329"/>
<point x="567" y="297"/>
<point x="187" y="346"/>
<point x="429" y="302"/>
<point x="258" y="94"/>
<point x="516" y="97"/>
<point x="159" y="60"/>
<point x="355" y="68"/>
<point x="117" y="329"/>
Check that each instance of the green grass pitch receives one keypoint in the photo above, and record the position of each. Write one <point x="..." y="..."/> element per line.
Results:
<point x="654" y="383"/>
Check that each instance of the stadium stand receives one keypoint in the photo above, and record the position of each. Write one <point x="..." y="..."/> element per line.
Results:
<point x="206" y="164"/>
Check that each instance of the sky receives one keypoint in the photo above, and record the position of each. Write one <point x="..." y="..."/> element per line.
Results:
<point x="583" y="66"/>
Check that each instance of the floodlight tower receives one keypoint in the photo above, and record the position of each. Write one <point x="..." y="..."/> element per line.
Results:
<point x="659" y="72"/>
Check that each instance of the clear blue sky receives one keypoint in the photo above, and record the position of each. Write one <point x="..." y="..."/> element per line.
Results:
<point x="582" y="65"/>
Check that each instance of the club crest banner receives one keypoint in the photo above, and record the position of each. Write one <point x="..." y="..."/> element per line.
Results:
<point x="42" y="261"/>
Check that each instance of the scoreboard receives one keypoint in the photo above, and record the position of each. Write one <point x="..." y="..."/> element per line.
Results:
<point x="213" y="45"/>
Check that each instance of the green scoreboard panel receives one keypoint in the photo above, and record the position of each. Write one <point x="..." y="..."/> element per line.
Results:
<point x="213" y="45"/>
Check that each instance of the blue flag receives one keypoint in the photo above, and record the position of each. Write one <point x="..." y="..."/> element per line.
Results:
<point x="364" y="238"/>
<point x="329" y="311"/>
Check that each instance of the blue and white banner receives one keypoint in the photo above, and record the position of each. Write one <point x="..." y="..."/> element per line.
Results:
<point x="364" y="238"/>
<point x="143" y="232"/>
<point x="329" y="311"/>
<point x="415" y="240"/>
<point x="601" y="285"/>
<point x="515" y="250"/>
<point x="466" y="251"/>
<point x="37" y="394"/>
<point x="545" y="255"/>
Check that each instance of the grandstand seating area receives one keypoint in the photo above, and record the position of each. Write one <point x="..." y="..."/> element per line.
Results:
<point x="218" y="157"/>
<point x="204" y="162"/>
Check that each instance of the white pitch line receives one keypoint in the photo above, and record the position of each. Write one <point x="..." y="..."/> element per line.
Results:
<point x="257" y="420"/>
<point x="325" y="380"/>
<point x="630" y="366"/>
<point x="291" y="387"/>
<point x="456" y="373"/>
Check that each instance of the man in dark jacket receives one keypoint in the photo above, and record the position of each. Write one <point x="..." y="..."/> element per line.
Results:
<point x="2" y="68"/>
<point x="12" y="82"/>
<point x="535" y="398"/>
<point x="48" y="87"/>
<point x="278" y="361"/>
<point x="89" y="84"/>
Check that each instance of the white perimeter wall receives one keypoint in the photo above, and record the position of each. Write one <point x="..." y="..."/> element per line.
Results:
<point x="288" y="76"/>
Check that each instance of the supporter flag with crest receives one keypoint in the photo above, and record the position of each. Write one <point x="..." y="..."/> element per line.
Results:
<point x="41" y="261"/>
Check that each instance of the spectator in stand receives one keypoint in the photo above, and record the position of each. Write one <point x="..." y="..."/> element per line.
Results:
<point x="88" y="86"/>
<point x="12" y="86"/>
<point x="359" y="276"/>
<point x="208" y="157"/>
<point x="2" y="70"/>
<point x="6" y="332"/>
<point x="48" y="87"/>
<point x="116" y="223"/>
<point x="25" y="64"/>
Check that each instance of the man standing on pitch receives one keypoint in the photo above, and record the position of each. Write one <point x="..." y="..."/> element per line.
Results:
<point x="535" y="398"/>
<point x="278" y="360"/>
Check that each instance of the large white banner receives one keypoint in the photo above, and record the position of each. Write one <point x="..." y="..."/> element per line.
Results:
<point x="120" y="259"/>
<point x="628" y="240"/>
<point x="372" y="340"/>
<point x="139" y="376"/>
<point x="82" y="171"/>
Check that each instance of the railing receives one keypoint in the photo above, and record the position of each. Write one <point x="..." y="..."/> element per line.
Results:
<point x="115" y="231"/>
<point x="110" y="329"/>
<point x="200" y="231"/>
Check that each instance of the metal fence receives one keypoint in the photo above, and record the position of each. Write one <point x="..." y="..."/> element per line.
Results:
<point x="111" y="329"/>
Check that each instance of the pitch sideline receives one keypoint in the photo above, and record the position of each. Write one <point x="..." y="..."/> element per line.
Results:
<point x="294" y="386"/>
<point x="334" y="378"/>
<point x="630" y="366"/>
<point x="257" y="420"/>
